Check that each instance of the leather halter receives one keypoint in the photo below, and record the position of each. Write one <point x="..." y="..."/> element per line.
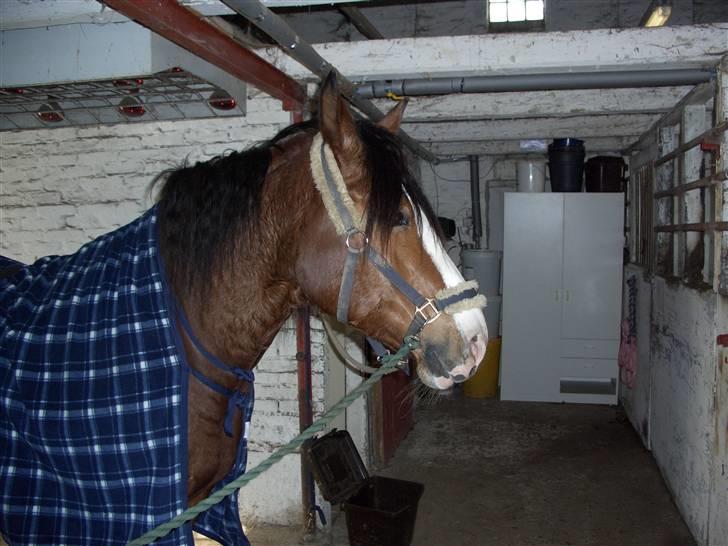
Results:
<point x="340" y="208"/>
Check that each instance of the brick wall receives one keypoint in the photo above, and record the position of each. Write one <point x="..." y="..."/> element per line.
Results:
<point x="60" y="188"/>
<point x="447" y="186"/>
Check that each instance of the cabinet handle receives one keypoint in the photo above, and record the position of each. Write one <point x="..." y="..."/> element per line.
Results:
<point x="557" y="294"/>
<point x="567" y="297"/>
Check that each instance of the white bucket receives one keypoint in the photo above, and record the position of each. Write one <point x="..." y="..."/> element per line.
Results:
<point x="531" y="175"/>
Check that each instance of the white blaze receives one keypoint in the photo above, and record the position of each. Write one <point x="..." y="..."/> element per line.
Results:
<point x="471" y="322"/>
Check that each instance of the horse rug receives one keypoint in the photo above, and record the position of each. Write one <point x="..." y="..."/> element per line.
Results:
<point x="93" y="400"/>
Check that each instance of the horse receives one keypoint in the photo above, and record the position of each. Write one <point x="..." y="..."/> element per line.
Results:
<point x="126" y="368"/>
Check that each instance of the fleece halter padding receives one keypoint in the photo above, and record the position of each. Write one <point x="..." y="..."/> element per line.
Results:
<point x="448" y="298"/>
<point x="332" y="187"/>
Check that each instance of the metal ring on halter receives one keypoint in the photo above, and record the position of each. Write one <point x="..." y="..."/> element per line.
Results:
<point x="429" y="306"/>
<point x="356" y="250"/>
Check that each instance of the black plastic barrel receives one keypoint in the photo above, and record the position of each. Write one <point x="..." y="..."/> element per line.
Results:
<point x="566" y="164"/>
<point x="605" y="173"/>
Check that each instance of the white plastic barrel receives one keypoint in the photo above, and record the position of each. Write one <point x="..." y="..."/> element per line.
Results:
<point x="492" y="315"/>
<point x="483" y="266"/>
<point x="531" y="174"/>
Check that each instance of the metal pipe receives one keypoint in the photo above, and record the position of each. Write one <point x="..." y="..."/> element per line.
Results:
<point x="535" y="82"/>
<point x="305" y="413"/>
<point x="305" y="400"/>
<point x="303" y="52"/>
<point x="475" y="198"/>
<point x="189" y="30"/>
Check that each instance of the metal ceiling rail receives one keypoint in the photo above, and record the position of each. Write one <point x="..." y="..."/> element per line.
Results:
<point x="191" y="31"/>
<point x="304" y="53"/>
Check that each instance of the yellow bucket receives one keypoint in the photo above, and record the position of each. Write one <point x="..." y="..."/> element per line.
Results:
<point x="484" y="384"/>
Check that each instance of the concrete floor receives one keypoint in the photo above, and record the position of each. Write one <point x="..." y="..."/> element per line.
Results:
<point x="525" y="474"/>
<point x="511" y="473"/>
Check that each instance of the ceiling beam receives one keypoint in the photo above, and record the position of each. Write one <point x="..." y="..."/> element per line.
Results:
<point x="534" y="104"/>
<point x="533" y="128"/>
<point x="192" y="32"/>
<point x="695" y="46"/>
<point x="362" y="24"/>
<point x="594" y="145"/>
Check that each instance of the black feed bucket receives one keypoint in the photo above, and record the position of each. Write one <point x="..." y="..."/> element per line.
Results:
<point x="379" y="511"/>
<point x="566" y="164"/>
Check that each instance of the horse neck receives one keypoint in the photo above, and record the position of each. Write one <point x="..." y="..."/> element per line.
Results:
<point x="250" y="299"/>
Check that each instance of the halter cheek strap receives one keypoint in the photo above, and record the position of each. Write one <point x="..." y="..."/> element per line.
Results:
<point x="330" y="183"/>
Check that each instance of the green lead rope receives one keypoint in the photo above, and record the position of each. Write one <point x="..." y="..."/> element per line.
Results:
<point x="389" y="364"/>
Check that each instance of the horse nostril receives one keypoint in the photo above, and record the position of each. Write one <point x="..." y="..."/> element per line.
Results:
<point x="475" y="347"/>
<point x="458" y="378"/>
<point x="472" y="371"/>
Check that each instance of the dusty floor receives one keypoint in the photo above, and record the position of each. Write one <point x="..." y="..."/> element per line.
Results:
<point x="524" y="474"/>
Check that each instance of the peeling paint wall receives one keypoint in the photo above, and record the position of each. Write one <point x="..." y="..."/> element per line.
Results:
<point x="683" y="332"/>
<point x="679" y="403"/>
<point x="674" y="402"/>
<point x="718" y="524"/>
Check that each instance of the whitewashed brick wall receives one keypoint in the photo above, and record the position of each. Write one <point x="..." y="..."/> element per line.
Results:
<point x="447" y="186"/>
<point x="60" y="188"/>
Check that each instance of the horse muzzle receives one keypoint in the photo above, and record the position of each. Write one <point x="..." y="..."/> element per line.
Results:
<point x="445" y="357"/>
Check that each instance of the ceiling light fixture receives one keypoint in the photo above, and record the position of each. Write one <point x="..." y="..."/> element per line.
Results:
<point x="133" y="84"/>
<point x="657" y="14"/>
<point x="50" y="112"/>
<point x="132" y="107"/>
<point x="221" y="100"/>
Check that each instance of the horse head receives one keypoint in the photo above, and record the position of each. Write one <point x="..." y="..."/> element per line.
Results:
<point x="370" y="251"/>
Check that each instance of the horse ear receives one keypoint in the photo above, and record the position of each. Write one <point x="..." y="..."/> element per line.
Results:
<point x="337" y="123"/>
<point x="393" y="118"/>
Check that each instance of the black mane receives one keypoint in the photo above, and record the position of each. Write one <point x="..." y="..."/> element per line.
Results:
<point x="206" y="207"/>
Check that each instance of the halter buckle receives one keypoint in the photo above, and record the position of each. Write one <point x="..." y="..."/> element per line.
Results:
<point x="428" y="311"/>
<point x="351" y="236"/>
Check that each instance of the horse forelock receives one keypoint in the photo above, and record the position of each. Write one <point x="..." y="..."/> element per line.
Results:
<point x="391" y="180"/>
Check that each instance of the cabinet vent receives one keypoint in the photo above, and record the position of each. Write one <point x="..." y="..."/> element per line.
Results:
<point x="580" y="385"/>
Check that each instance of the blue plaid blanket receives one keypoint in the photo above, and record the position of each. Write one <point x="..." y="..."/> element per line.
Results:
<point x="93" y="400"/>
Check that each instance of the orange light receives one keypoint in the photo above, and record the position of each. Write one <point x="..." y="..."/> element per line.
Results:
<point x="50" y="112"/>
<point x="132" y="107"/>
<point x="220" y="100"/>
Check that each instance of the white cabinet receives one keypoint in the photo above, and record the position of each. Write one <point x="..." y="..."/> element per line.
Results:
<point x="562" y="282"/>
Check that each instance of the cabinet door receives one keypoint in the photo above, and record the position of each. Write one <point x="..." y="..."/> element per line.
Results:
<point x="592" y="282"/>
<point x="532" y="261"/>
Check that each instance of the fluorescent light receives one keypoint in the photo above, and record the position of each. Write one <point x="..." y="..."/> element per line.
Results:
<point x="659" y="16"/>
<point x="657" y="13"/>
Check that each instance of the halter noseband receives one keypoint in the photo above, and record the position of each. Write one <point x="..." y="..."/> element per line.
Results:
<point x="349" y="224"/>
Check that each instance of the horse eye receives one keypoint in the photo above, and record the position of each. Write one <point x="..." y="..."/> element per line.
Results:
<point x="402" y="219"/>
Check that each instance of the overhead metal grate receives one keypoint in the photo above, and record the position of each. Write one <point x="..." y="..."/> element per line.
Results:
<point x="170" y="95"/>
